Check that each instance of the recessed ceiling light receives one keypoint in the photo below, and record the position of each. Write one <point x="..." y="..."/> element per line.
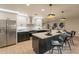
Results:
<point x="42" y="9"/>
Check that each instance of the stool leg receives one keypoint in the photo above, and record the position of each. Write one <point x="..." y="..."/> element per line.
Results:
<point x="62" y="47"/>
<point x="69" y="45"/>
<point x="59" y="50"/>
<point x="49" y="50"/>
<point x="52" y="49"/>
<point x="72" y="41"/>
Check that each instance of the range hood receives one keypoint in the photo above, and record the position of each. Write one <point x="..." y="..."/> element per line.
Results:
<point x="30" y="21"/>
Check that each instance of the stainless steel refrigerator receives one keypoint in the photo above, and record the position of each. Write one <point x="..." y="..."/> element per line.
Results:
<point x="7" y="32"/>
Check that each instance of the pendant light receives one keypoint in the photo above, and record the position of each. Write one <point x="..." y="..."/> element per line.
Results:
<point x="63" y="18"/>
<point x="50" y="16"/>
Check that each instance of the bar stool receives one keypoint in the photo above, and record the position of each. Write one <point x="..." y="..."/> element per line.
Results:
<point x="72" y="36"/>
<point x="59" y="42"/>
<point x="56" y="42"/>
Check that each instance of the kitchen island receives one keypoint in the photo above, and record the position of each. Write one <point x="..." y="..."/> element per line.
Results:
<point x="41" y="41"/>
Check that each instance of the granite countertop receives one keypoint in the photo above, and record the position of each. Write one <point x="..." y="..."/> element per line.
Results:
<point x="44" y="36"/>
<point x="24" y="29"/>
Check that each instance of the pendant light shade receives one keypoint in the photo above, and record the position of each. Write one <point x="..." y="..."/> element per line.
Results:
<point x="63" y="18"/>
<point x="50" y="16"/>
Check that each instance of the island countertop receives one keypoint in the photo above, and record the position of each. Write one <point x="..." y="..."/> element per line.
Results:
<point x="43" y="35"/>
<point x="29" y="30"/>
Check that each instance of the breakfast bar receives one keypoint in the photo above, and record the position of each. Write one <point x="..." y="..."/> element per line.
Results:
<point x="41" y="41"/>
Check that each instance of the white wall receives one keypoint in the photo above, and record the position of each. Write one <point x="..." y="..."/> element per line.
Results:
<point x="70" y="24"/>
<point x="73" y="24"/>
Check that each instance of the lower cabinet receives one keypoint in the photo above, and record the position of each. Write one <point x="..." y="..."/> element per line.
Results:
<point x="23" y="36"/>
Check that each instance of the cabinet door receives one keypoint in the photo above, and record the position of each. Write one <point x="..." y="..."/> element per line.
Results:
<point x="21" y="21"/>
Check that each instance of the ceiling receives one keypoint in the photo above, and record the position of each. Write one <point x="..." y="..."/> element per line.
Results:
<point x="71" y="11"/>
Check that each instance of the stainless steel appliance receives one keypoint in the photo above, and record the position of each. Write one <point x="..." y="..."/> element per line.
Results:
<point x="7" y="32"/>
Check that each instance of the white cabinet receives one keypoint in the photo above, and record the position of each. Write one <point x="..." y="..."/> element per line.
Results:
<point x="21" y="20"/>
<point x="30" y="23"/>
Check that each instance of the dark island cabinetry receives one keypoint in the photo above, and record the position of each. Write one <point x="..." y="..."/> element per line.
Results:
<point x="40" y="46"/>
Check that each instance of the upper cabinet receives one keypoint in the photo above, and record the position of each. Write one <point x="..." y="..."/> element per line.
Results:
<point x="21" y="21"/>
<point x="29" y="22"/>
